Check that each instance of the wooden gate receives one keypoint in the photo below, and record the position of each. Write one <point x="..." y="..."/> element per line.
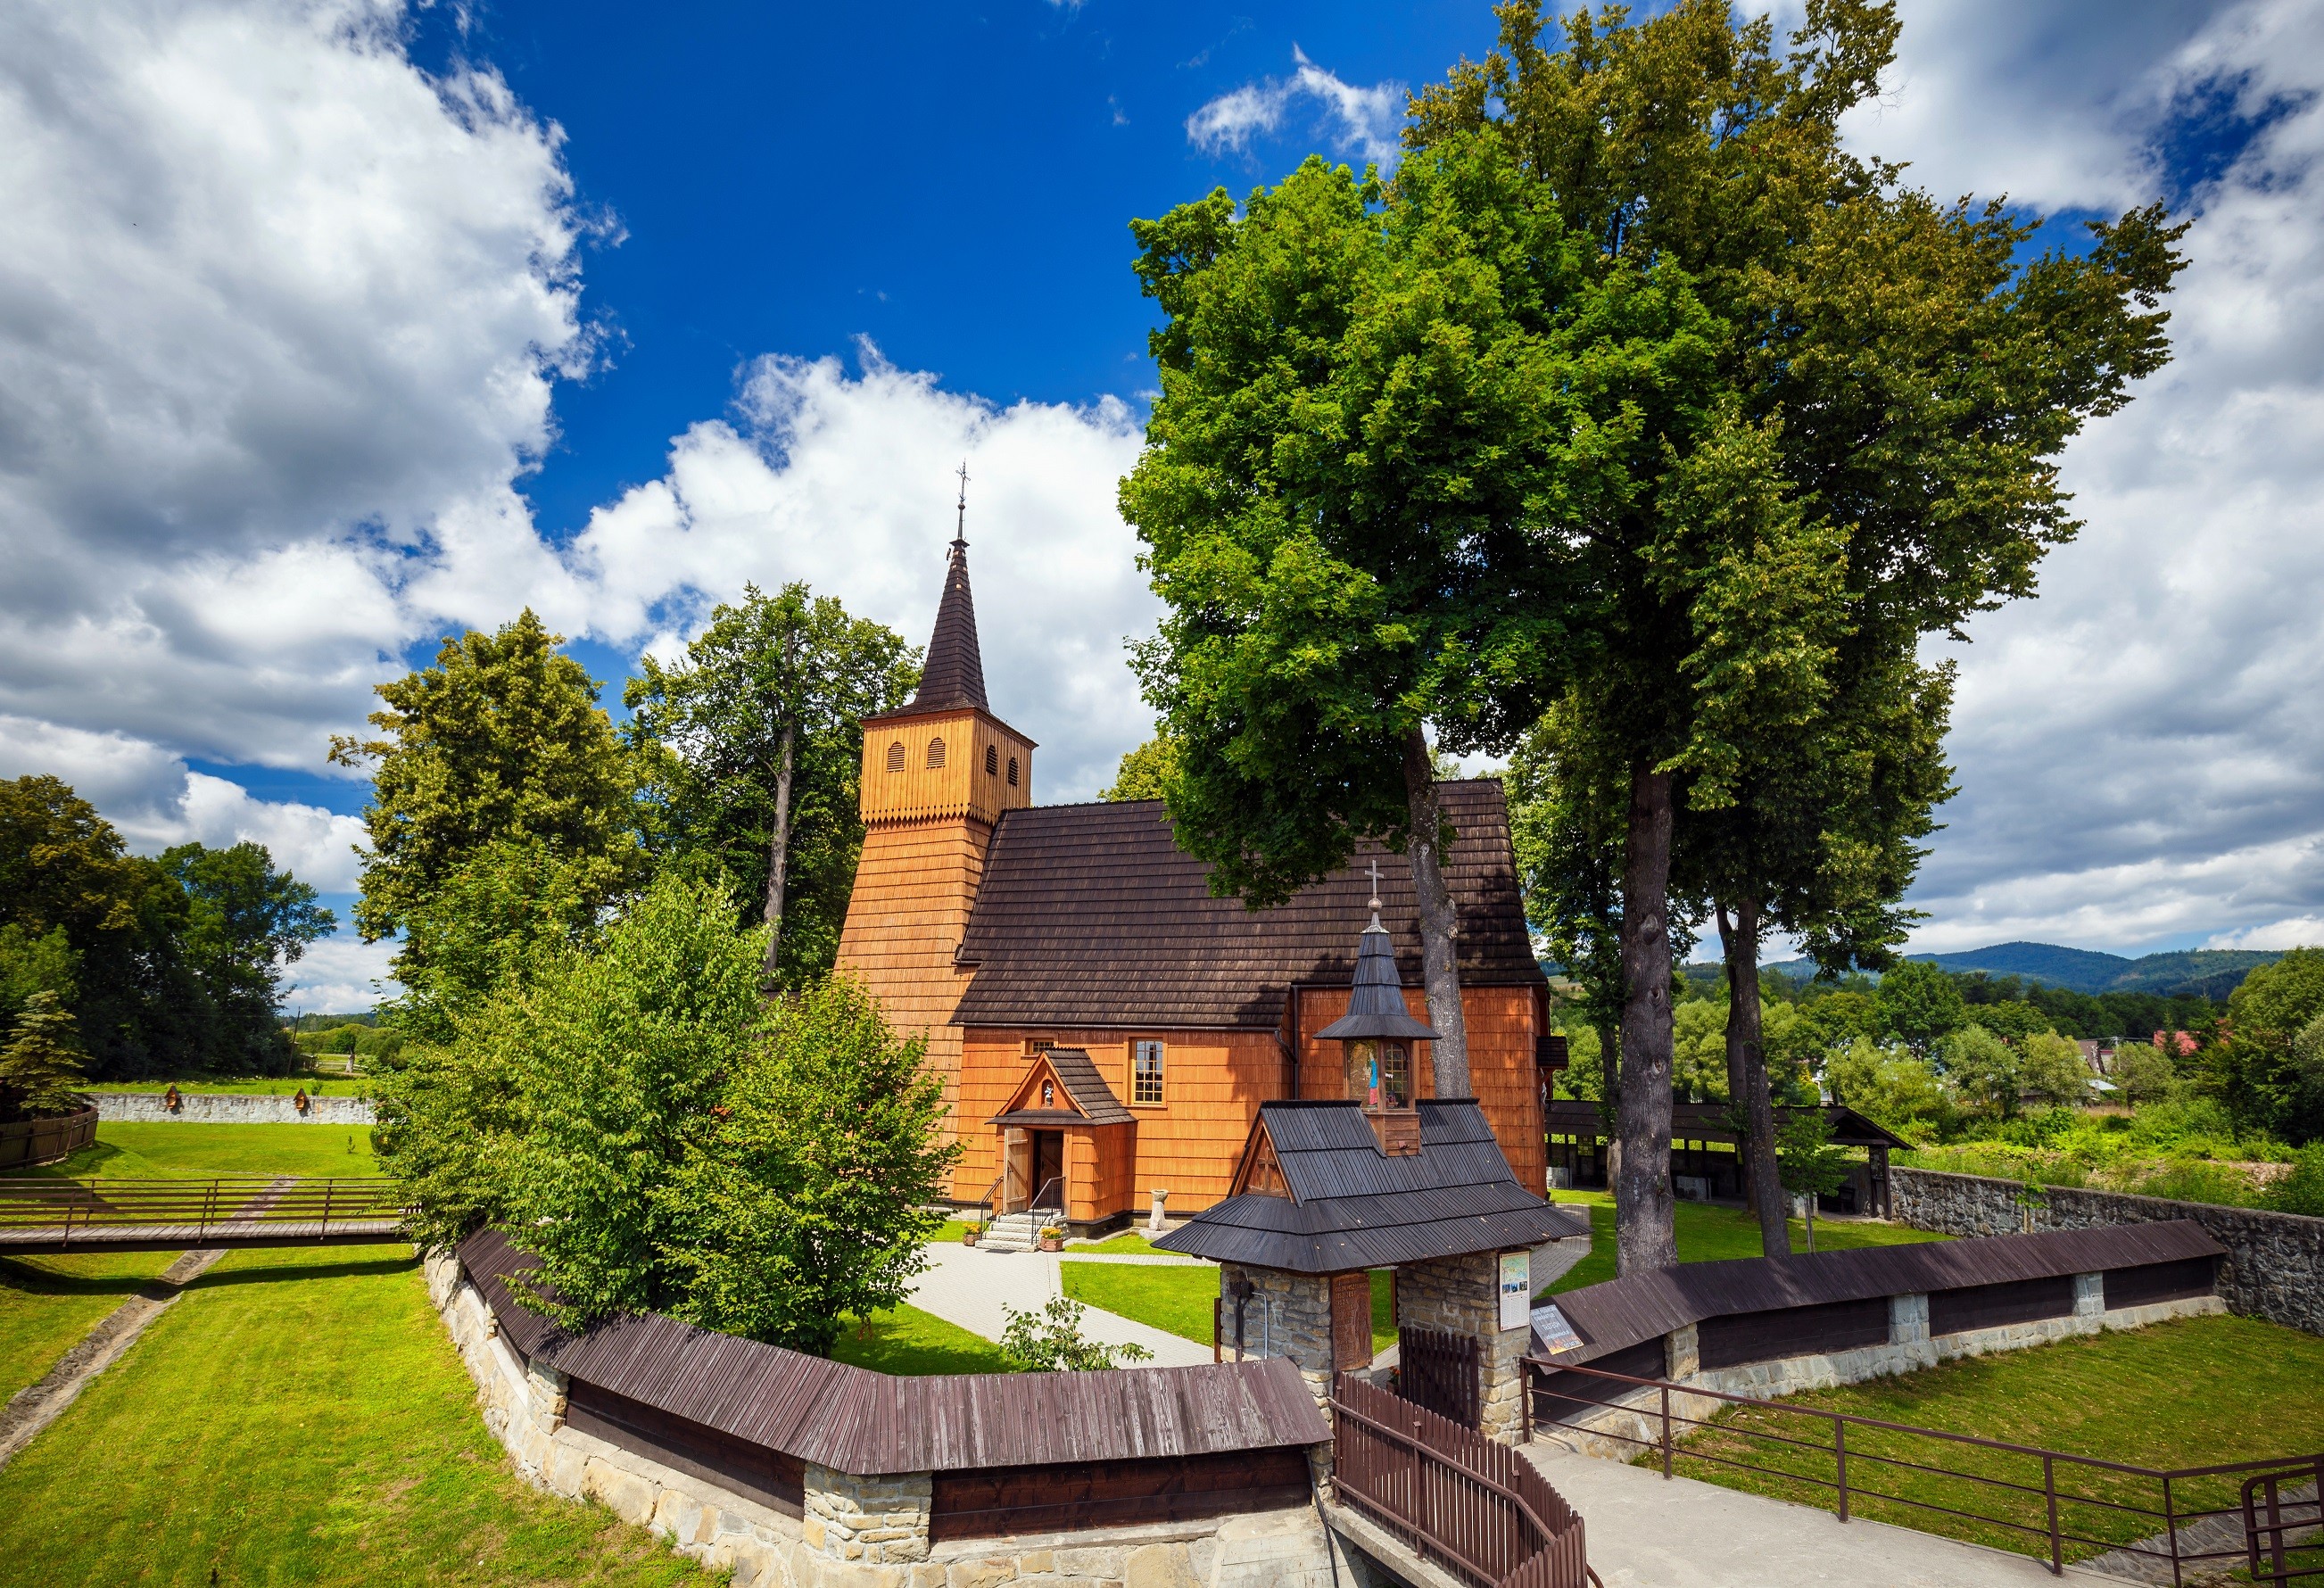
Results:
<point x="1439" y="1371"/>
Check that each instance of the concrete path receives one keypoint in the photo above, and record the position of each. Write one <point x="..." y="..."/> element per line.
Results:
<point x="969" y="1285"/>
<point x="1644" y="1532"/>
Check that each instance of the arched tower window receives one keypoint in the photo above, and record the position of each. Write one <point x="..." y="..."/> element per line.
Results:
<point x="935" y="754"/>
<point x="992" y="762"/>
<point x="1012" y="771"/>
<point x="895" y="756"/>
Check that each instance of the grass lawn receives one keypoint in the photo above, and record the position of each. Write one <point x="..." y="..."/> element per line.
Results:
<point x="48" y="1303"/>
<point x="249" y="1085"/>
<point x="300" y="1417"/>
<point x="147" y="1151"/>
<point x="1178" y="1301"/>
<point x="1129" y="1243"/>
<point x="2190" y="1393"/>
<point x="1708" y="1235"/>
<point x="904" y="1339"/>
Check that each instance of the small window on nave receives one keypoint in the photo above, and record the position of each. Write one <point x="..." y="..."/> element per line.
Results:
<point x="992" y="762"/>
<point x="935" y="754"/>
<point x="1012" y="771"/>
<point x="895" y="756"/>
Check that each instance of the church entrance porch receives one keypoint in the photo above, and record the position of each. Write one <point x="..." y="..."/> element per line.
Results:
<point x="1067" y="1146"/>
<point x="1036" y="1170"/>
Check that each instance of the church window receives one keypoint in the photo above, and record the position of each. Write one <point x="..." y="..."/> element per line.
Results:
<point x="1146" y="1073"/>
<point x="992" y="762"/>
<point x="935" y="754"/>
<point x="895" y="756"/>
<point x="1012" y="771"/>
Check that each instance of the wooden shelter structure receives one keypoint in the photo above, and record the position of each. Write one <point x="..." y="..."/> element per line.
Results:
<point x="1707" y="1155"/>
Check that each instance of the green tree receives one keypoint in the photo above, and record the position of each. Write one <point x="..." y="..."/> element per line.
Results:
<point x="30" y="964"/>
<point x="763" y="726"/>
<point x="2052" y="1067"/>
<point x="1051" y="1341"/>
<point x="1807" y="1164"/>
<point x="1982" y="1067"/>
<point x="2145" y="1072"/>
<point x="41" y="1068"/>
<point x="501" y="914"/>
<point x="1918" y="1004"/>
<point x="1360" y="418"/>
<point x="502" y="740"/>
<point x="244" y="922"/>
<point x="1890" y="1087"/>
<point x="807" y="1200"/>
<point x="2254" y="1069"/>
<point x="1145" y="772"/>
<point x="1869" y="457"/>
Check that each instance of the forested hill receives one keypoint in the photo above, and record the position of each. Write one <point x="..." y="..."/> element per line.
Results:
<point x="2211" y="973"/>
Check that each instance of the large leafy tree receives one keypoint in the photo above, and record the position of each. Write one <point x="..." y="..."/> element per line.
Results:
<point x="1375" y="404"/>
<point x="2257" y="1068"/>
<point x="502" y="742"/>
<point x="244" y="922"/>
<point x="758" y="737"/>
<point x="1871" y="459"/>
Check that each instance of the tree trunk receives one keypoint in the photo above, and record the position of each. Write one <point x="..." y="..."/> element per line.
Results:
<point x="779" y="851"/>
<point x="1746" y="1071"/>
<point x="1645" y="1236"/>
<point x="1609" y="1092"/>
<point x="1440" y="970"/>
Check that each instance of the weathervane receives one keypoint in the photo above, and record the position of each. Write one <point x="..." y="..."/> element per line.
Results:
<point x="960" y="529"/>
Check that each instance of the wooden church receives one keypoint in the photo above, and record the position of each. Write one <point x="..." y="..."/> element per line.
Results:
<point x="1105" y="1028"/>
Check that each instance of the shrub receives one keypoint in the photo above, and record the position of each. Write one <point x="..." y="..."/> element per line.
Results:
<point x="1050" y="1341"/>
<point x="2302" y="1190"/>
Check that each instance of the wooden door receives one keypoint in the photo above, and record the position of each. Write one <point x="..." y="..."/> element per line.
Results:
<point x="1351" y="1321"/>
<point x="1017" y="1154"/>
<point x="1049" y="1165"/>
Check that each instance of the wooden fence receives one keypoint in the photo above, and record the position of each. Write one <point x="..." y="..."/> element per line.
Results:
<point x="1439" y="1371"/>
<point x="182" y="1214"/>
<point x="1476" y="1508"/>
<point x="34" y="1141"/>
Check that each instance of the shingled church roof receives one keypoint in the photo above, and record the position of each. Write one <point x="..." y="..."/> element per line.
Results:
<point x="1091" y="915"/>
<point x="953" y="673"/>
<point x="1350" y="1206"/>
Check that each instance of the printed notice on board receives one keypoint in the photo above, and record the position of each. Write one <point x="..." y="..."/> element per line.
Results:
<point x="1517" y="1288"/>
<point x="1555" y="1333"/>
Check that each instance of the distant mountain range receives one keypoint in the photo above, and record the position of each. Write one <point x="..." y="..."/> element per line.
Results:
<point x="2211" y="972"/>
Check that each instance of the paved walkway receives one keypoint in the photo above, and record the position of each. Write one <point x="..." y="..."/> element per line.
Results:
<point x="1646" y="1532"/>
<point x="969" y="1285"/>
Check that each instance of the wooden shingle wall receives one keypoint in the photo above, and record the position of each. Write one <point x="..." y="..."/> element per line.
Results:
<point x="913" y="889"/>
<point x="959" y="788"/>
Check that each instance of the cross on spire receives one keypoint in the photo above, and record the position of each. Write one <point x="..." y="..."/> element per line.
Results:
<point x="960" y="529"/>
<point x="1375" y="874"/>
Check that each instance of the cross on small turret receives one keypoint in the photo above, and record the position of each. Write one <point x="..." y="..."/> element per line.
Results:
<point x="1375" y="873"/>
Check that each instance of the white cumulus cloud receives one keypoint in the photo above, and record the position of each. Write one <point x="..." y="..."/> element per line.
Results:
<point x="1360" y="119"/>
<point x="845" y="481"/>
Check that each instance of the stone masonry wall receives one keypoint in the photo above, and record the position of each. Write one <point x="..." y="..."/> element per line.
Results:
<point x="858" y="1532"/>
<point x="1462" y="1295"/>
<point x="231" y="1108"/>
<point x="2274" y="1265"/>
<point x="1289" y="1315"/>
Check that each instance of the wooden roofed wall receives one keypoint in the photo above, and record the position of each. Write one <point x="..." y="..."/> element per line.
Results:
<point x="1212" y="1084"/>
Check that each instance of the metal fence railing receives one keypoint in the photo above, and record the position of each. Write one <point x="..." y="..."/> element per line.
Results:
<point x="275" y="1208"/>
<point x="1478" y="1508"/>
<point x="2046" y="1502"/>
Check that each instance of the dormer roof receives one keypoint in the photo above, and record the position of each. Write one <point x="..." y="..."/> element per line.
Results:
<point x="1084" y="1095"/>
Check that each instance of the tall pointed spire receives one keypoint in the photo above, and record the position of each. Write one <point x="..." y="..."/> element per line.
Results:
<point x="953" y="673"/>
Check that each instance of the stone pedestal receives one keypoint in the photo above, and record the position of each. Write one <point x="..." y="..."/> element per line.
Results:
<point x="1462" y="1295"/>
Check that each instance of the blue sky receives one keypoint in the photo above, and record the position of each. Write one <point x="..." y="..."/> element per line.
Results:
<point x="334" y="326"/>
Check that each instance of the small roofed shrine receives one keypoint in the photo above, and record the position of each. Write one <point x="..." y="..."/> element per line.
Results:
<point x="1327" y="1193"/>
<point x="1707" y="1156"/>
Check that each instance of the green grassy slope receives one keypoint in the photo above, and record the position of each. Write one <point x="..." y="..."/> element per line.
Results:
<point x="147" y="1151"/>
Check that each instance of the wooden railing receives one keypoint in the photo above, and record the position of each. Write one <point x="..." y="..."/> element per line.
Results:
<point x="269" y="1209"/>
<point x="2062" y="1506"/>
<point x="1478" y="1508"/>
